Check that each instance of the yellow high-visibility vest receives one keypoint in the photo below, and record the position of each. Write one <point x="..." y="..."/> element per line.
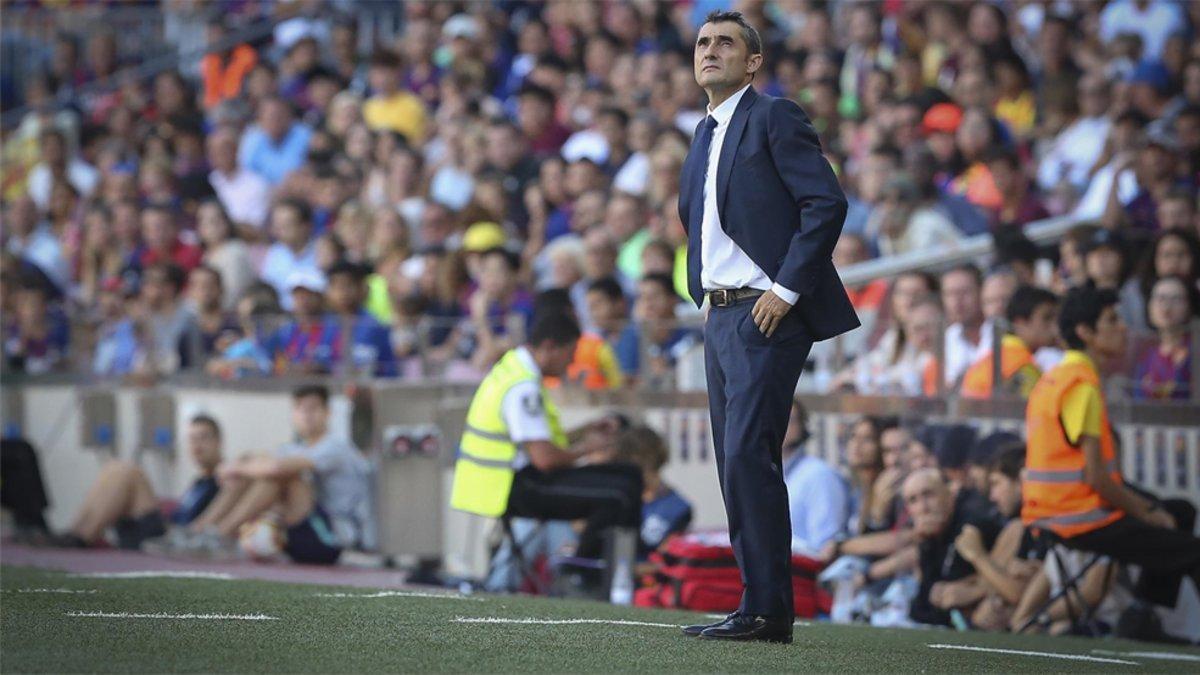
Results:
<point x="483" y="474"/>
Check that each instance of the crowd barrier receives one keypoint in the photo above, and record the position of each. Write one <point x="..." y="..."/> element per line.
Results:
<point x="412" y="431"/>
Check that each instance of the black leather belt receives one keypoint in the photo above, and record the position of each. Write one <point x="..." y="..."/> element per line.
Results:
<point x="724" y="297"/>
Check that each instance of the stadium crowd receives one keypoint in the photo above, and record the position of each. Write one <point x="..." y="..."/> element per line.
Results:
<point x="301" y="204"/>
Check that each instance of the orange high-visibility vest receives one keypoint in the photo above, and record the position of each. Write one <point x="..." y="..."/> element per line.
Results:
<point x="1014" y="355"/>
<point x="223" y="83"/>
<point x="586" y="364"/>
<point x="1054" y="492"/>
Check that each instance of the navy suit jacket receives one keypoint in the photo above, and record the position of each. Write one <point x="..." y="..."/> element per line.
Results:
<point x="780" y="202"/>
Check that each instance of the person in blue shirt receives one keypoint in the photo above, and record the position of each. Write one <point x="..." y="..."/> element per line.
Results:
<point x="277" y="145"/>
<point x="359" y="340"/>
<point x="664" y="511"/>
<point x="666" y="341"/>
<point x="818" y="496"/>
<point x="122" y="498"/>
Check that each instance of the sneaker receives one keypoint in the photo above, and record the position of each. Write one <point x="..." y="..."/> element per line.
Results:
<point x="176" y="540"/>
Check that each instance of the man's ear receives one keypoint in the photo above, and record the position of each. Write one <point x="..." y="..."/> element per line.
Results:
<point x="753" y="64"/>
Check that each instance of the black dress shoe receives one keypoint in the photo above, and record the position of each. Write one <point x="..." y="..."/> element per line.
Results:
<point x="751" y="628"/>
<point x="696" y="629"/>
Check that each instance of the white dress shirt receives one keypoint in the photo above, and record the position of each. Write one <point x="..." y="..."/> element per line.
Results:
<point x="245" y="195"/>
<point x="723" y="264"/>
<point x="960" y="352"/>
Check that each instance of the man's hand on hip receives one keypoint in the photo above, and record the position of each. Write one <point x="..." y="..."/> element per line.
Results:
<point x="768" y="311"/>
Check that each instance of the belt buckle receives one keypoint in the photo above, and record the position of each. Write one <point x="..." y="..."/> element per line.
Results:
<point x="720" y="298"/>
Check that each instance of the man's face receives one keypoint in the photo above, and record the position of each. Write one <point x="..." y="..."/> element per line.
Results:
<point x="654" y="303"/>
<point x="927" y="498"/>
<point x="495" y="276"/>
<point x="156" y="288"/>
<point x="310" y="417"/>
<point x="997" y="291"/>
<point x="1175" y="214"/>
<point x="344" y="294"/>
<point x="204" y="289"/>
<point x="305" y="302"/>
<point x="275" y="118"/>
<point x="503" y="147"/>
<point x="158" y="230"/>
<point x="288" y="228"/>
<point x="918" y="456"/>
<point x="1104" y="266"/>
<point x="1108" y="339"/>
<point x="204" y="446"/>
<point x="622" y="218"/>
<point x="960" y="297"/>
<point x="1041" y="328"/>
<point x="722" y="59"/>
<point x="600" y="258"/>
<point x="1005" y="493"/>
<point x="554" y="358"/>
<point x="606" y="313"/>
<point x="222" y="150"/>
<point x="894" y="442"/>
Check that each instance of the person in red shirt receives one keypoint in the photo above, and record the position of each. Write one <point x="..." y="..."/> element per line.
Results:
<point x="162" y="243"/>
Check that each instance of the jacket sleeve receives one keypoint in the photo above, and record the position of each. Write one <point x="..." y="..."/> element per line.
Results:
<point x="812" y="184"/>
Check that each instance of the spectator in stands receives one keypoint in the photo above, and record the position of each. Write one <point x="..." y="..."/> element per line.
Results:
<point x="1031" y="318"/>
<point x="293" y="250"/>
<point x="998" y="288"/>
<point x="1072" y="484"/>
<point x="205" y="290"/>
<point x="162" y="242"/>
<point x="818" y="497"/>
<point x="1075" y="150"/>
<point x="608" y="308"/>
<point x="595" y="364"/>
<point x="498" y="305"/>
<point x="35" y="242"/>
<point x="901" y="223"/>
<point x="305" y="344"/>
<point x="391" y="107"/>
<point x="968" y="332"/>
<point x="317" y="487"/>
<point x="165" y="323"/>
<point x="277" y="144"/>
<point x="357" y="342"/>
<point x="245" y="195"/>
<point x="1019" y="204"/>
<point x="664" y="511"/>
<point x="948" y="580"/>
<point x="666" y="341"/>
<point x="122" y="498"/>
<point x="242" y="351"/>
<point x="1105" y="258"/>
<point x="37" y="337"/>
<point x="224" y="251"/>
<point x="1005" y="571"/>
<point x="903" y="365"/>
<point x="1171" y="253"/>
<point x="1164" y="370"/>
<point x="59" y="163"/>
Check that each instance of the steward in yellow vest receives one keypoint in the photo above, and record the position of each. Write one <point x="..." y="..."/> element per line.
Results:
<point x="1031" y="313"/>
<point x="513" y="459"/>
<point x="1072" y="483"/>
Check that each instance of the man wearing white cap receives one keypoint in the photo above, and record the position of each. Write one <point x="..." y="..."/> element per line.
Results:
<point x="305" y="344"/>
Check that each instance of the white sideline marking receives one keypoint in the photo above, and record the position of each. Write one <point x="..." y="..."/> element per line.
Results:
<point x="57" y="590"/>
<point x="398" y="594"/>
<point x="1023" y="652"/>
<point x="163" y="615"/>
<point x="151" y="574"/>
<point x="556" y="622"/>
<point x="1165" y="656"/>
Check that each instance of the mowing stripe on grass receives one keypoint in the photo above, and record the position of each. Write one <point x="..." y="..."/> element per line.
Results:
<point x="398" y="594"/>
<point x="1023" y="652"/>
<point x="156" y="574"/>
<point x="559" y="622"/>
<point x="164" y="615"/>
<point x="1164" y="656"/>
<point x="57" y="590"/>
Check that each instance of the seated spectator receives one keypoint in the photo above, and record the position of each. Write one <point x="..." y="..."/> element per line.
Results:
<point x="390" y="106"/>
<point x="293" y="250"/>
<point x="37" y="334"/>
<point x="998" y="287"/>
<point x="224" y="252"/>
<point x="665" y="339"/>
<point x="317" y="487"/>
<point x="595" y="364"/>
<point x="244" y="194"/>
<point x="241" y="351"/>
<point x="818" y="498"/>
<point x="901" y="223"/>
<point x="35" y="242"/>
<point x="903" y="365"/>
<point x="1106" y="261"/>
<point x="277" y="145"/>
<point x="1164" y="370"/>
<point x="205" y="291"/>
<point x="305" y="344"/>
<point x="948" y="581"/>
<point x="358" y="343"/>
<point x="1007" y="568"/>
<point x="1171" y="253"/>
<point x="664" y="511"/>
<point x="609" y="310"/>
<point x="1072" y="252"/>
<point x="1073" y="485"/>
<point x="165" y="327"/>
<point x="122" y="498"/>
<point x="498" y="306"/>
<point x="58" y="162"/>
<point x="1031" y="316"/>
<point x="1019" y="203"/>
<point x="968" y="333"/>
<point x="162" y="243"/>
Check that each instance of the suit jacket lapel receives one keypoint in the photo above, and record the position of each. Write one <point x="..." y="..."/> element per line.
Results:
<point x="733" y="136"/>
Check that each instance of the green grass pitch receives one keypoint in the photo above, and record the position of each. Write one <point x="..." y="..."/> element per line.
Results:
<point x="332" y="629"/>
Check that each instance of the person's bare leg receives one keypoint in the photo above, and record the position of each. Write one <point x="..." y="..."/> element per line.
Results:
<point x="228" y="496"/>
<point x="121" y="490"/>
<point x="298" y="501"/>
<point x="262" y="494"/>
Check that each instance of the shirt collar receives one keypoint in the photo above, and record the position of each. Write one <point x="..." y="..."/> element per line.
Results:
<point x="724" y="112"/>
<point x="526" y="357"/>
<point x="1079" y="356"/>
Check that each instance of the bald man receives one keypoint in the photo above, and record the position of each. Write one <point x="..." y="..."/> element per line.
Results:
<point x="948" y="581"/>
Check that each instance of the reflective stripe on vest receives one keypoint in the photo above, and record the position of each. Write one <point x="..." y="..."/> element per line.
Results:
<point x="1086" y="517"/>
<point x="1063" y="475"/>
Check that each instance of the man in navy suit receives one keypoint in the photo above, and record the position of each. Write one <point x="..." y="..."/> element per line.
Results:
<point x="763" y="211"/>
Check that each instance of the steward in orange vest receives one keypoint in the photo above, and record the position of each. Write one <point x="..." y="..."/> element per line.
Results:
<point x="595" y="365"/>
<point x="1072" y="484"/>
<point x="1030" y="313"/>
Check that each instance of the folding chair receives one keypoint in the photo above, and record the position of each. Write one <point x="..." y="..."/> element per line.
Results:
<point x="517" y="548"/>
<point x="1069" y="590"/>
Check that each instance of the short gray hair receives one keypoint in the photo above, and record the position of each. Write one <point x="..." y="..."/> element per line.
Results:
<point x="749" y="33"/>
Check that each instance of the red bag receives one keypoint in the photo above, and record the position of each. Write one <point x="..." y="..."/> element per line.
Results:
<point x="698" y="571"/>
